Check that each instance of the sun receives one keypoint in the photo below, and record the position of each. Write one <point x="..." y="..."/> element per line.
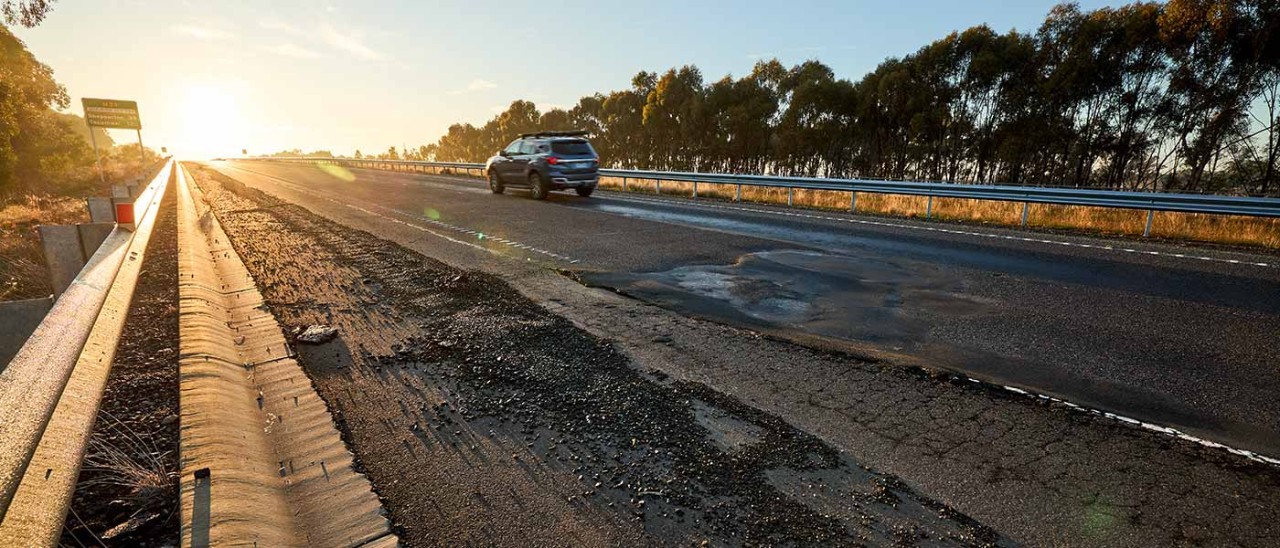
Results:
<point x="212" y="121"/>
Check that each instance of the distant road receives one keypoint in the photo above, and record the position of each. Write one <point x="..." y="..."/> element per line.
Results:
<point x="1184" y="337"/>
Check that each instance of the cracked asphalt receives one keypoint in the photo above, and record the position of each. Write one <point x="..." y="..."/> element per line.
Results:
<point x="1039" y="472"/>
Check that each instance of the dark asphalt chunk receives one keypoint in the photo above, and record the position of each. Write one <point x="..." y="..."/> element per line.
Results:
<point x="481" y="417"/>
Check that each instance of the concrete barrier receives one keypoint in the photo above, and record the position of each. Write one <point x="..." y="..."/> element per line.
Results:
<point x="100" y="209"/>
<point x="62" y="253"/>
<point x="18" y="319"/>
<point x="92" y="235"/>
<point x="68" y="247"/>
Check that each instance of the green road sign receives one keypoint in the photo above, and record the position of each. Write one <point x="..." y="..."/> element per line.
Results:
<point x="111" y="113"/>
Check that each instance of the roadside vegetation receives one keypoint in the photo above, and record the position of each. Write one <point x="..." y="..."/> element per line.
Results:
<point x="47" y="165"/>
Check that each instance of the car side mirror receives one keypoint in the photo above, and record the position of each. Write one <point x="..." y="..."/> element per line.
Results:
<point x="504" y="154"/>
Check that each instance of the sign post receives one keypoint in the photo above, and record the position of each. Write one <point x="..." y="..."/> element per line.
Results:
<point x="98" y="157"/>
<point x="112" y="114"/>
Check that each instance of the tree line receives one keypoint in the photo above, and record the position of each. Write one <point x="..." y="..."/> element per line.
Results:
<point x="43" y="150"/>
<point x="1176" y="96"/>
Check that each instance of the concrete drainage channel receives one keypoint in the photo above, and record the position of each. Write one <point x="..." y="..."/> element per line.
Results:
<point x="262" y="462"/>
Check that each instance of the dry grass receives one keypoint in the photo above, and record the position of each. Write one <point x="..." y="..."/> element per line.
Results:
<point x="23" y="273"/>
<point x="117" y="456"/>
<point x="1220" y="229"/>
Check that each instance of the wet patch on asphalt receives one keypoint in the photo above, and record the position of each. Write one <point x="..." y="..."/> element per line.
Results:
<point x="843" y="297"/>
<point x="481" y="417"/>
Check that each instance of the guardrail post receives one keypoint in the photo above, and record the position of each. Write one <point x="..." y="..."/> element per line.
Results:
<point x="1024" y="213"/>
<point x="928" y="210"/>
<point x="853" y="202"/>
<point x="659" y="186"/>
<point x="624" y="184"/>
<point x="1151" y="213"/>
<point x="737" y="197"/>
<point x="695" y="190"/>
<point x="790" y="191"/>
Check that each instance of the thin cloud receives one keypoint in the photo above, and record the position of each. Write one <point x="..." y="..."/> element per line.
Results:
<point x="201" y="33"/>
<point x="279" y="26"/>
<point x="292" y="50"/>
<point x="479" y="84"/>
<point x="350" y="43"/>
<point x="779" y="53"/>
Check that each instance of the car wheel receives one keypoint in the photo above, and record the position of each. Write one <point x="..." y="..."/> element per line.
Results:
<point x="495" y="184"/>
<point x="537" y="187"/>
<point x="585" y="191"/>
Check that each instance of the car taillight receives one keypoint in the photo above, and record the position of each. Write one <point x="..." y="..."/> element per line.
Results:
<point x="552" y="160"/>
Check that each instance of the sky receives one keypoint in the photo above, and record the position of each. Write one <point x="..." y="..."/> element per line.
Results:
<point x="212" y="78"/>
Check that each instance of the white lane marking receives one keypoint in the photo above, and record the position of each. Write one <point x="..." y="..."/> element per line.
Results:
<point x="441" y="224"/>
<point x="613" y="195"/>
<point x="1251" y="455"/>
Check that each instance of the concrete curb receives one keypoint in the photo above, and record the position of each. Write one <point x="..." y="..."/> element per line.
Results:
<point x="262" y="462"/>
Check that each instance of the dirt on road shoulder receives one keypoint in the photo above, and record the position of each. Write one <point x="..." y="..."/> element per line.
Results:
<point x="481" y="417"/>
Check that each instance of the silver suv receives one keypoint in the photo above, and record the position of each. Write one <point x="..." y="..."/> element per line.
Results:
<point x="546" y="161"/>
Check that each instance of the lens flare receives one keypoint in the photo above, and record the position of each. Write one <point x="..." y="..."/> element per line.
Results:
<point x="1100" y="519"/>
<point x="431" y="214"/>
<point x="338" y="171"/>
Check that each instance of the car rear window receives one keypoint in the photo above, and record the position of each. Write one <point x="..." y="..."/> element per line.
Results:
<point x="571" y="147"/>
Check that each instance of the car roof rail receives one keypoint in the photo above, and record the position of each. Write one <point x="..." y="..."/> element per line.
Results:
<point x="573" y="133"/>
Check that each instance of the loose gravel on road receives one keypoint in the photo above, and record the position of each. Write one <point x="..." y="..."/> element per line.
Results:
<point x="480" y="417"/>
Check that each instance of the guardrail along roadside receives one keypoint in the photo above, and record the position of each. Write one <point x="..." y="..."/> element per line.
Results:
<point x="50" y="391"/>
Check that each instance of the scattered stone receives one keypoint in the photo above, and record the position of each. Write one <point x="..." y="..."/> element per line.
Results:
<point x="129" y="526"/>
<point x="317" y="334"/>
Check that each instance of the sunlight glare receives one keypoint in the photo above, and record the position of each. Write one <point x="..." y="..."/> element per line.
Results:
<point x="212" y="122"/>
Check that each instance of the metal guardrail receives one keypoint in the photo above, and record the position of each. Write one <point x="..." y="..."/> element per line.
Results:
<point x="1149" y="201"/>
<point x="81" y="330"/>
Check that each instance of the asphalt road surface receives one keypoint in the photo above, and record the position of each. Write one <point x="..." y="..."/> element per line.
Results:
<point x="1036" y="471"/>
<point x="1178" y="336"/>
